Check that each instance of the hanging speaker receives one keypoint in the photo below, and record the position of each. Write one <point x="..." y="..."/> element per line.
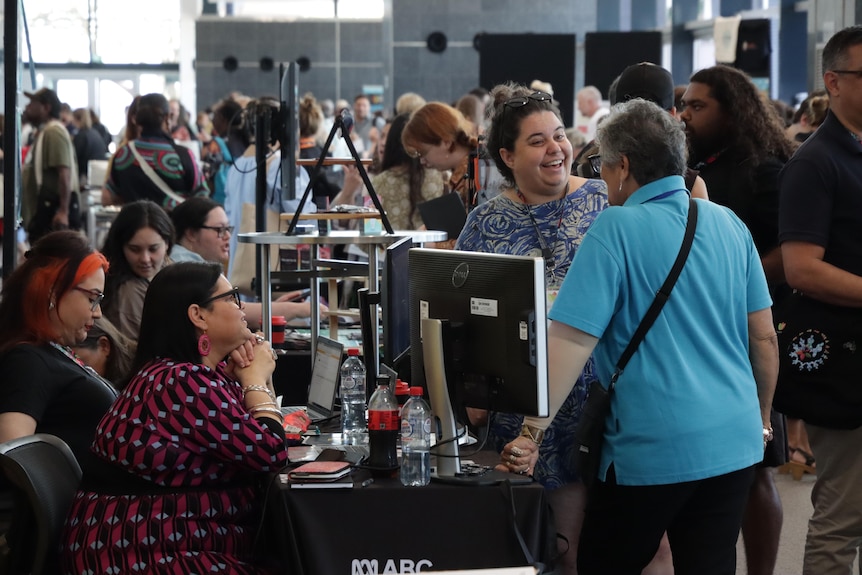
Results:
<point x="436" y="42"/>
<point x="304" y="63"/>
<point x="230" y="63"/>
<point x="266" y="64"/>
<point x="477" y="41"/>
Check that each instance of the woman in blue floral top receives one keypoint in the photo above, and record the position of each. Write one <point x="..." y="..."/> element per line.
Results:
<point x="544" y="212"/>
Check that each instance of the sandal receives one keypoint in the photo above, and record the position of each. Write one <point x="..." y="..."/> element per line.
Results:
<point x="798" y="469"/>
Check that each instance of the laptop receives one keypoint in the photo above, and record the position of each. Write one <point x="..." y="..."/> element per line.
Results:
<point x="445" y="213"/>
<point x="324" y="381"/>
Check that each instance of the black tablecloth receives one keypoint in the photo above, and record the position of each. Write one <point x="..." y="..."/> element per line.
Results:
<point x="386" y="527"/>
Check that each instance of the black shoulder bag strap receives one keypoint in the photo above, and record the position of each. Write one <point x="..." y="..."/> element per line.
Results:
<point x="661" y="295"/>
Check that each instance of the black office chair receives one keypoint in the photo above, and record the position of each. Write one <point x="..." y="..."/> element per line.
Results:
<point x="44" y="475"/>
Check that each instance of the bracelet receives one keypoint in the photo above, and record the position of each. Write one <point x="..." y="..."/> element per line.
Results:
<point x="261" y="388"/>
<point x="767" y="435"/>
<point x="535" y="434"/>
<point x="265" y="404"/>
<point x="256" y="409"/>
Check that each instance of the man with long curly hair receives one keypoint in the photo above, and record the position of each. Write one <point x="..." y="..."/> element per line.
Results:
<point x="737" y="143"/>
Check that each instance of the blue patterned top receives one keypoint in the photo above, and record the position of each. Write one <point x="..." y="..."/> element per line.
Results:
<point x="505" y="227"/>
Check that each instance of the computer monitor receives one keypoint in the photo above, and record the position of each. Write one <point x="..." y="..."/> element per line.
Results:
<point x="478" y="334"/>
<point x="395" y="302"/>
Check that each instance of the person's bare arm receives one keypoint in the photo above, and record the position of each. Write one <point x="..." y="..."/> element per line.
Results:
<point x="806" y="271"/>
<point x="14" y="424"/>
<point x="288" y="309"/>
<point x="568" y="351"/>
<point x="64" y="192"/>
<point x="773" y="267"/>
<point x="763" y="352"/>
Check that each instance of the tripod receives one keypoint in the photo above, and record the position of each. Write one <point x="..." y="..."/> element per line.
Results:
<point x="343" y="121"/>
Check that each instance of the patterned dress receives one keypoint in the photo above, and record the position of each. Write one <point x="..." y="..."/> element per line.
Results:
<point x="505" y="227"/>
<point x="183" y="428"/>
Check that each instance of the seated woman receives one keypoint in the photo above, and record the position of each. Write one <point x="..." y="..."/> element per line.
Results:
<point x="203" y="234"/>
<point x="136" y="246"/>
<point x="49" y="304"/>
<point x="171" y="487"/>
<point x="107" y="351"/>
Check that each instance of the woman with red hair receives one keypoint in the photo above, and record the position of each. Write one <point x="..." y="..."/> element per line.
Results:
<point x="49" y="304"/>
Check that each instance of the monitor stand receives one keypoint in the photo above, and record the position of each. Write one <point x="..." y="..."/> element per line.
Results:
<point x="449" y="469"/>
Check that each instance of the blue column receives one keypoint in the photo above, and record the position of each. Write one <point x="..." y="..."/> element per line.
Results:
<point x="609" y="16"/>
<point x="644" y="14"/>
<point x="792" y="52"/>
<point x="734" y="7"/>
<point x="682" y="40"/>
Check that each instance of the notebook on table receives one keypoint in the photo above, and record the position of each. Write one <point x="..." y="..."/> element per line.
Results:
<point x="324" y="381"/>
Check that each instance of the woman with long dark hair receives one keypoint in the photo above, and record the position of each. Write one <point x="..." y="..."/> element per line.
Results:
<point x="137" y="246"/>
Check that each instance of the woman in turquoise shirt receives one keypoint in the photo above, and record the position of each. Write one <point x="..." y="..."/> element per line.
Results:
<point x="690" y="414"/>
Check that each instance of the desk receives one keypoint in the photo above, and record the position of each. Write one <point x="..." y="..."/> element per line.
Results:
<point x="343" y="531"/>
<point x="315" y="241"/>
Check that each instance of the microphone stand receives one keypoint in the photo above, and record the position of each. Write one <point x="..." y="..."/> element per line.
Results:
<point x="344" y="122"/>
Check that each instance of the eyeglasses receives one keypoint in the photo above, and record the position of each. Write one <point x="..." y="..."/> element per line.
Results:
<point x="92" y="293"/>
<point x="219" y="230"/>
<point x="234" y="293"/>
<point x="857" y="73"/>
<point x="595" y="163"/>
<point x="522" y="101"/>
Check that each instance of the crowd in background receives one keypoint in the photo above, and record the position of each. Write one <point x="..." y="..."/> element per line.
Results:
<point x="582" y="197"/>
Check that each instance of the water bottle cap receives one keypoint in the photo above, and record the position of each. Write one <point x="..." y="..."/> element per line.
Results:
<point x="416" y="390"/>
<point x="353" y="351"/>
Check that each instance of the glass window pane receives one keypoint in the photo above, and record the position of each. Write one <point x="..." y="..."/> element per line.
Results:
<point x="138" y="32"/>
<point x="58" y="31"/>
<point x="114" y="98"/>
<point x="74" y="92"/>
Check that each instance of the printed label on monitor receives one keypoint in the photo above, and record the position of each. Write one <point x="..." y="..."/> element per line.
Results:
<point x="482" y="306"/>
<point x="523" y="331"/>
<point x="423" y="314"/>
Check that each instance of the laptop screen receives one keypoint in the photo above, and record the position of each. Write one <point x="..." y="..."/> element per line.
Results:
<point x="325" y="375"/>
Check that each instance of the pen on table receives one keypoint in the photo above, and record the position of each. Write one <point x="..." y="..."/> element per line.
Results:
<point x="367" y="482"/>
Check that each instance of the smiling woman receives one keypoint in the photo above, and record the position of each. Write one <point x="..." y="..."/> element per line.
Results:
<point x="137" y="246"/>
<point x="49" y="304"/>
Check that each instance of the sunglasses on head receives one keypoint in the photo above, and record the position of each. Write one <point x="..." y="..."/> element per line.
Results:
<point x="522" y="101"/>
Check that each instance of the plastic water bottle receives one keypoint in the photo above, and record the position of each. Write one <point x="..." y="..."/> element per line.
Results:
<point x="353" y="425"/>
<point x="383" y="429"/>
<point x="415" y="440"/>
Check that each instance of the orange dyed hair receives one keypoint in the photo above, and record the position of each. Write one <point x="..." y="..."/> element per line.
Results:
<point x="434" y="123"/>
<point x="57" y="263"/>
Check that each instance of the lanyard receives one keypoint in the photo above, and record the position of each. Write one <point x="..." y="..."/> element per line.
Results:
<point x="547" y="251"/>
<point x="87" y="369"/>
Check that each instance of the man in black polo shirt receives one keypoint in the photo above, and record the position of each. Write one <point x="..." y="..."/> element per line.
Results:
<point x="738" y="146"/>
<point x="820" y="223"/>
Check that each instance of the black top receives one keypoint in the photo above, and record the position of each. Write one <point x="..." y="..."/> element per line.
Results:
<point x="821" y="195"/>
<point x="62" y="396"/>
<point x="752" y="194"/>
<point x="89" y="145"/>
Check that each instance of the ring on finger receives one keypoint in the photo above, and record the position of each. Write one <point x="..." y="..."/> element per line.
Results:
<point x="274" y="355"/>
<point x="512" y="457"/>
<point x="516" y="451"/>
<point x="259" y="338"/>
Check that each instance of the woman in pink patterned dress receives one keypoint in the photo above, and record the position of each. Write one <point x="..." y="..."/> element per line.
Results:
<point x="178" y="454"/>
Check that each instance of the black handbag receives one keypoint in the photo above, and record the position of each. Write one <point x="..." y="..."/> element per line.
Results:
<point x="590" y="432"/>
<point x="819" y="359"/>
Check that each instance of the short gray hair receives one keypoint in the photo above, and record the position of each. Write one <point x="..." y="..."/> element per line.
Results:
<point x="652" y="140"/>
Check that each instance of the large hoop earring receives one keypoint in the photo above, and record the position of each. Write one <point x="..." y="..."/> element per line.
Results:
<point x="204" y="345"/>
